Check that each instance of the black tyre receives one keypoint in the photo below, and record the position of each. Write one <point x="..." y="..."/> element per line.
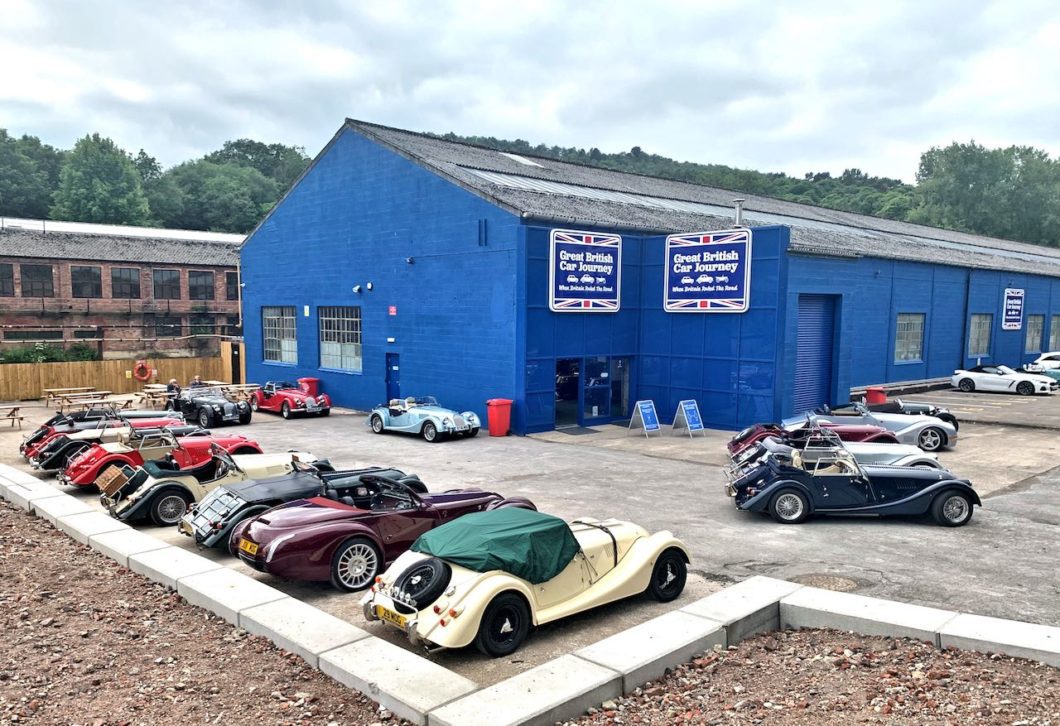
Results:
<point x="1025" y="388"/>
<point x="430" y="433"/>
<point x="326" y="412"/>
<point x="966" y="384"/>
<point x="931" y="439"/>
<point x="668" y="576"/>
<point x="504" y="626"/>
<point x="205" y="418"/>
<point x="253" y="403"/>
<point x="245" y="450"/>
<point x="168" y="507"/>
<point x="285" y="410"/>
<point x="244" y="418"/>
<point x="789" y="507"/>
<point x="952" y="508"/>
<point x="355" y="564"/>
<point x="377" y="423"/>
<point x="425" y="581"/>
<point x="472" y="433"/>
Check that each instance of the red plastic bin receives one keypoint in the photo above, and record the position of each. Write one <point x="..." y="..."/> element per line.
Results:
<point x="499" y="415"/>
<point x="875" y="394"/>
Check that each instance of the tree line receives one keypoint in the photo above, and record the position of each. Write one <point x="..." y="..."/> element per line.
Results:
<point x="1013" y="192"/>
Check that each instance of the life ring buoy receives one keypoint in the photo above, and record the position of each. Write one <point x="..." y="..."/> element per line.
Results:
<point x="141" y="371"/>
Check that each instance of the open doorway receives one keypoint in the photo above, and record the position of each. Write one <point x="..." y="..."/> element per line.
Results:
<point x="568" y="377"/>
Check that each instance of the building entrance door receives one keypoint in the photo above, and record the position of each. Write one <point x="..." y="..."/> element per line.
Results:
<point x="393" y="377"/>
<point x="597" y="393"/>
<point x="813" y="359"/>
<point x="567" y="391"/>
<point x="620" y="382"/>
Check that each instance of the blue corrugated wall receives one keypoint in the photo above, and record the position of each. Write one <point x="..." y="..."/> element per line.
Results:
<point x="355" y="218"/>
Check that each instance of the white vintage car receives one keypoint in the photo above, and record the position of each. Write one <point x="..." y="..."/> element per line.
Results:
<point x="487" y="578"/>
<point x="1002" y="379"/>
<point x="1049" y="361"/>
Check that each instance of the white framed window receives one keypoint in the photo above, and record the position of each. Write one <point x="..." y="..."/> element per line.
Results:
<point x="278" y="334"/>
<point x="340" y="338"/>
<point x="1054" y="332"/>
<point x="1035" y="328"/>
<point x="909" y="337"/>
<point x="979" y="334"/>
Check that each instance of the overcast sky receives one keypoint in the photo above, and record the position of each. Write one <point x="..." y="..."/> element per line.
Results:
<point x="820" y="86"/>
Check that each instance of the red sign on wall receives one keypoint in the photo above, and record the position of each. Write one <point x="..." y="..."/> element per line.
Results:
<point x="393" y="310"/>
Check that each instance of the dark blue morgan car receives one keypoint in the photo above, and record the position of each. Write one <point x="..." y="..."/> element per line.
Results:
<point x="791" y="488"/>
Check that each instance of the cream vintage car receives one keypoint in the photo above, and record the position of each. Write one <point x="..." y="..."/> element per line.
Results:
<point x="488" y="577"/>
<point x="161" y="492"/>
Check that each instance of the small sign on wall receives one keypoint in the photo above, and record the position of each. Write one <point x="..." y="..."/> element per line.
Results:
<point x="1012" y="318"/>
<point x="584" y="272"/>
<point x="305" y="311"/>
<point x="392" y="310"/>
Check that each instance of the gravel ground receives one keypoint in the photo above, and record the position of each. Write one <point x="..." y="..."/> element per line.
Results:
<point x="825" y="677"/>
<point x="86" y="641"/>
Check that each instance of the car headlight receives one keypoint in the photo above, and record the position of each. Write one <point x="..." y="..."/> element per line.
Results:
<point x="216" y="408"/>
<point x="300" y="402"/>
<point x="447" y="422"/>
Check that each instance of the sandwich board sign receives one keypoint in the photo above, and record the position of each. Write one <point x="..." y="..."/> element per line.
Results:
<point x="584" y="272"/>
<point x="708" y="272"/>
<point x="687" y="417"/>
<point x="1013" y="311"/>
<point x="644" y="417"/>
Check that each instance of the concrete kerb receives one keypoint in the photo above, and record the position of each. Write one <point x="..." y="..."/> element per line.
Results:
<point x="746" y="608"/>
<point x="23" y="494"/>
<point x="51" y="508"/>
<point x="83" y="527"/>
<point x="1008" y="637"/>
<point x="169" y="564"/>
<point x="226" y="592"/>
<point x="121" y="544"/>
<point x="300" y="628"/>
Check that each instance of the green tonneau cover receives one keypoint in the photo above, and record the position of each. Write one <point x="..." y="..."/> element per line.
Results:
<point x="525" y="543"/>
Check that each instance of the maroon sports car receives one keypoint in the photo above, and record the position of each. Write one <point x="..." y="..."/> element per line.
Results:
<point x="349" y="535"/>
<point x="847" y="432"/>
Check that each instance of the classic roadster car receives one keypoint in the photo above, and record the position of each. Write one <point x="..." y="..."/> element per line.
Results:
<point x="209" y="406"/>
<point x="64" y="423"/>
<point x="212" y="520"/>
<point x="1003" y="380"/>
<point x="55" y="452"/>
<point x="141" y="445"/>
<point x="288" y="399"/>
<point x="488" y="578"/>
<point x="348" y="540"/>
<point x="790" y="488"/>
<point x="847" y="432"/>
<point x="423" y="416"/>
<point x="162" y="491"/>
<point x="927" y="432"/>
<point x="910" y="408"/>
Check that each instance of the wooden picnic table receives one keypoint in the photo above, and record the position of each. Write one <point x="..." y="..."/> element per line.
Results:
<point x="10" y="413"/>
<point x="52" y="394"/>
<point x="72" y="400"/>
<point x="111" y="402"/>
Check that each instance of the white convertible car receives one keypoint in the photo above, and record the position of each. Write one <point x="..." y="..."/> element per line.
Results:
<point x="1002" y="379"/>
<point x="1049" y="360"/>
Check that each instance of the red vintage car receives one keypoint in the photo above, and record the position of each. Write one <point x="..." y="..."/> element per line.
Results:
<point x="288" y="399"/>
<point x="150" y="445"/>
<point x="348" y="535"/>
<point x="847" y="432"/>
<point x="65" y="423"/>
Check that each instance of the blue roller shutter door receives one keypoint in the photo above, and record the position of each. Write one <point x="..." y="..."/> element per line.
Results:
<point x="813" y="360"/>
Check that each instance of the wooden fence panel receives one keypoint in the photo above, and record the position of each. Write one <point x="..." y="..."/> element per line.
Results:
<point x="25" y="381"/>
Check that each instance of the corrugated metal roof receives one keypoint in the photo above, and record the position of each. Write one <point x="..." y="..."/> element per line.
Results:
<point x="569" y="193"/>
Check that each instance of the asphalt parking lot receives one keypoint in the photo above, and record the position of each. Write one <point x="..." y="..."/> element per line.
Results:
<point x="1002" y="564"/>
<point x="1038" y="411"/>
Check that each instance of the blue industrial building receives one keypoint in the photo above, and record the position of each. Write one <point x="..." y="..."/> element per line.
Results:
<point x="403" y="264"/>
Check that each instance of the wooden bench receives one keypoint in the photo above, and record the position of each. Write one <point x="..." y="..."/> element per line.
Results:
<point x="11" y="414"/>
<point x="50" y="395"/>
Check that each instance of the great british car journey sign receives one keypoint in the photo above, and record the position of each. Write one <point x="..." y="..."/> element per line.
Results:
<point x="708" y="272"/>
<point x="584" y="272"/>
<point x="1012" y="318"/>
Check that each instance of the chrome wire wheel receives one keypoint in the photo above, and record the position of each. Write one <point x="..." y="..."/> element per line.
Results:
<point x="955" y="509"/>
<point x="357" y="566"/>
<point x="789" y="507"/>
<point x="171" y="508"/>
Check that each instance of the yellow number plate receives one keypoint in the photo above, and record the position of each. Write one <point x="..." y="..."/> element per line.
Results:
<point x="392" y="618"/>
<point x="251" y="548"/>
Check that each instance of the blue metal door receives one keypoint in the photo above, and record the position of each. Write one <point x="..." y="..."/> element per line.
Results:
<point x="813" y="360"/>
<point x="393" y="377"/>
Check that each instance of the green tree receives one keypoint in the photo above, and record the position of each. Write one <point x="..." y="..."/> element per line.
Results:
<point x="221" y="197"/>
<point x="24" y="185"/>
<point x="100" y="183"/>
<point x="280" y="163"/>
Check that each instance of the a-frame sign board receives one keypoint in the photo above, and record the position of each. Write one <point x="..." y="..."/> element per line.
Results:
<point x="644" y="417"/>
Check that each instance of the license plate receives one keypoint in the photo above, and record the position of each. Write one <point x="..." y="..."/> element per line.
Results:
<point x="390" y="617"/>
<point x="245" y="545"/>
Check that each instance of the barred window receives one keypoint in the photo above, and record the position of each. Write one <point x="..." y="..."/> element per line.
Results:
<point x="125" y="283"/>
<point x="37" y="281"/>
<point x="1035" y="328"/>
<point x="1054" y="332"/>
<point x="167" y="284"/>
<point x="278" y="333"/>
<point x="163" y="326"/>
<point x="95" y="334"/>
<point x="7" y="280"/>
<point x="231" y="285"/>
<point x="86" y="281"/>
<point x="33" y="335"/>
<point x="340" y="338"/>
<point x="200" y="285"/>
<point x="201" y="324"/>
<point x="909" y="337"/>
<point x="979" y="335"/>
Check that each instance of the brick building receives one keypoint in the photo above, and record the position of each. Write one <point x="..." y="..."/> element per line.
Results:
<point x="125" y="291"/>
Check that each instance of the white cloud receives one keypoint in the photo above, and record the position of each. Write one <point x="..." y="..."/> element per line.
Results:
<point x="816" y="86"/>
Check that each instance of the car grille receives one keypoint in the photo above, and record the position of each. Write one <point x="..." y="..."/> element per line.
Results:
<point x="460" y="422"/>
<point x="229" y="409"/>
<point x="216" y="507"/>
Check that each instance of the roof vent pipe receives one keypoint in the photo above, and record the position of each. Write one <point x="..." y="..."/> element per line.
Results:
<point x="738" y="203"/>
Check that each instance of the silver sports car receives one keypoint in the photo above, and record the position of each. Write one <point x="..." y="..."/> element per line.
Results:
<point x="927" y="432"/>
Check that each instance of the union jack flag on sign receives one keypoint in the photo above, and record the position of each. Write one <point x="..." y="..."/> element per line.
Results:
<point x="585" y="271"/>
<point x="708" y="272"/>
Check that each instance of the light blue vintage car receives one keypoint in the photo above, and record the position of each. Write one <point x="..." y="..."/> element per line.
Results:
<point x="423" y="416"/>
